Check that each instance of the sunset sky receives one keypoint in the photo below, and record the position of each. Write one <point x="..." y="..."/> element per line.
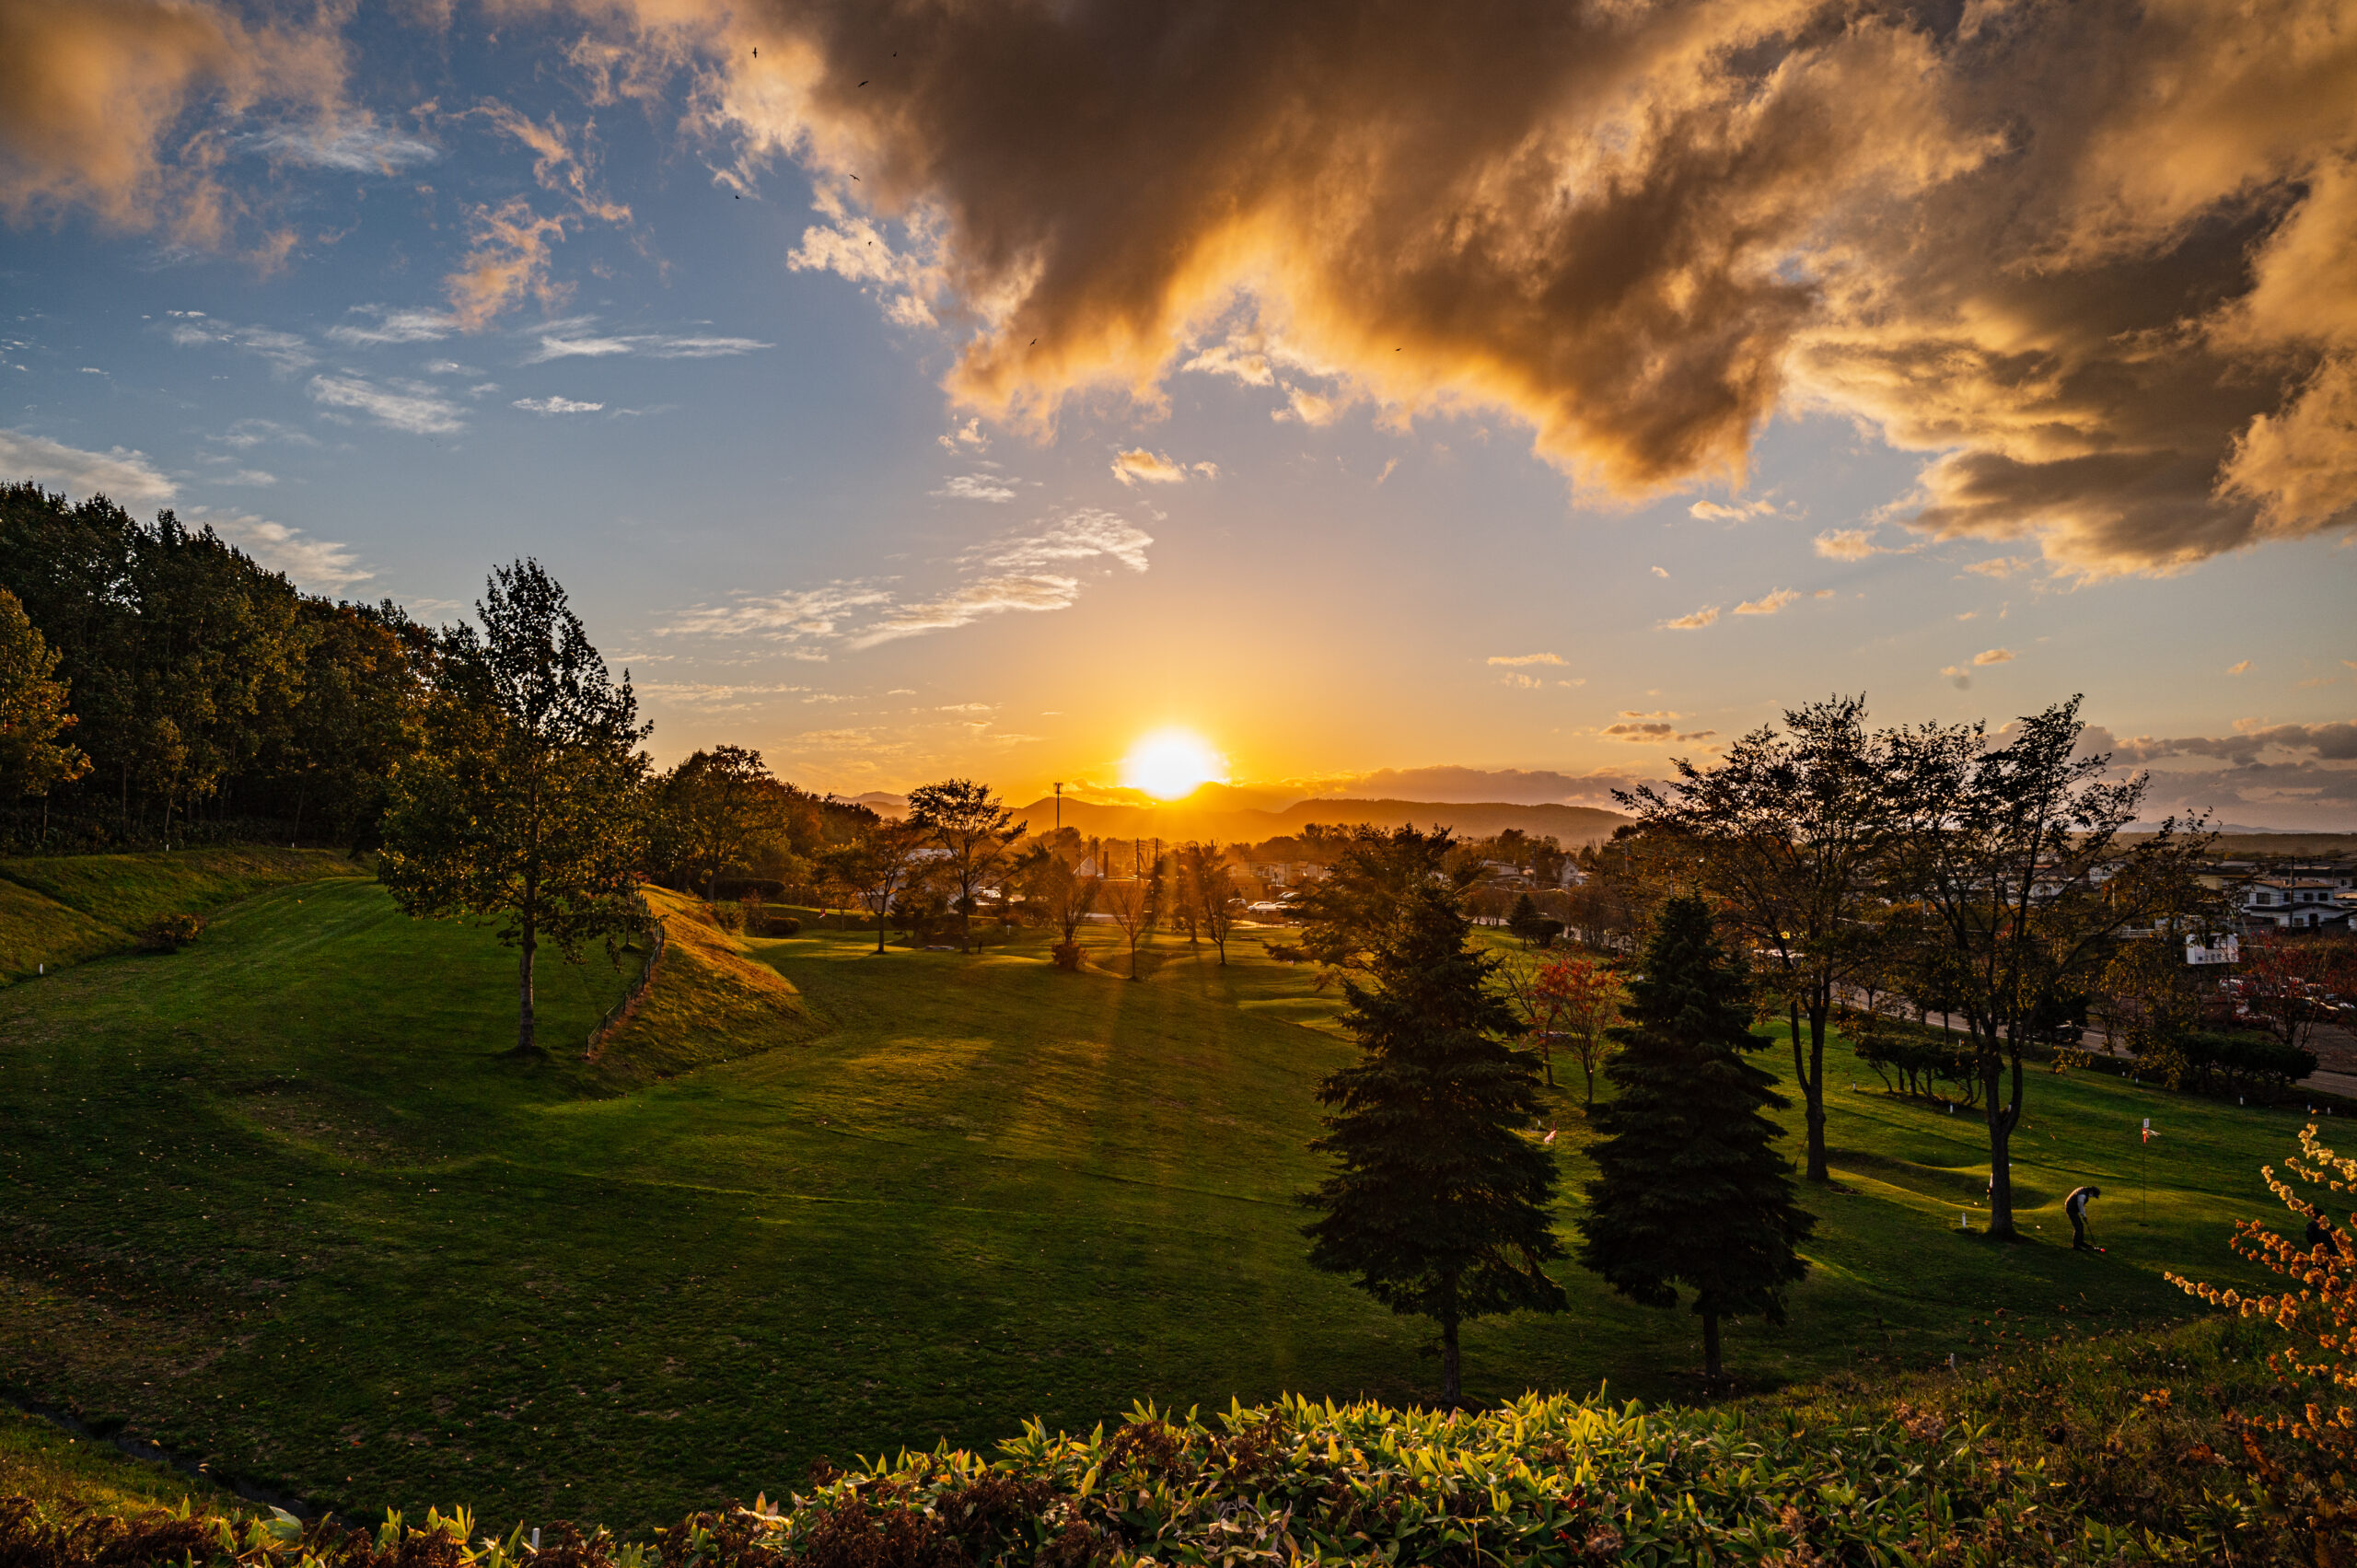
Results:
<point x="1474" y="402"/>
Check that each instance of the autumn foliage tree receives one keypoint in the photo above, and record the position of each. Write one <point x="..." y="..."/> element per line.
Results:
<point x="2316" y="1309"/>
<point x="35" y="756"/>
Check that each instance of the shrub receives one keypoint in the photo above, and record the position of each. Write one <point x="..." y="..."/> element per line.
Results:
<point x="2221" y="1063"/>
<point x="782" y="925"/>
<point x="2317" y="1312"/>
<point x="170" y="934"/>
<point x="1067" y="955"/>
<point x="728" y="917"/>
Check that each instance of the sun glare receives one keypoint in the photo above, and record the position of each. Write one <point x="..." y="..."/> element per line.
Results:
<point x="1172" y="762"/>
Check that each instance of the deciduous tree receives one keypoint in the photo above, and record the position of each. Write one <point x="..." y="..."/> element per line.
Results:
<point x="974" y="826"/>
<point x="1789" y="828"/>
<point x="1690" y="1188"/>
<point x="1210" y="887"/>
<point x="2011" y="854"/>
<point x="877" y="866"/>
<point x="1439" y="1201"/>
<point x="527" y="802"/>
<point x="718" y="805"/>
<point x="1131" y="901"/>
<point x="35" y="756"/>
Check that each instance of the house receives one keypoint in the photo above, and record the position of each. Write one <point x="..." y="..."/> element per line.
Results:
<point x="2213" y="951"/>
<point x="2294" y="903"/>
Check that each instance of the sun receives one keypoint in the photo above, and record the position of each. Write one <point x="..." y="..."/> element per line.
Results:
<point x="1172" y="762"/>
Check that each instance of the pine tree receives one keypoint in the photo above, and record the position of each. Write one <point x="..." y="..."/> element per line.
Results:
<point x="1440" y="1203"/>
<point x="1691" y="1190"/>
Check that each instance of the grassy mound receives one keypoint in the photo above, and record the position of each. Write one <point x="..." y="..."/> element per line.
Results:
<point x="59" y="910"/>
<point x="710" y="1001"/>
<point x="279" y="1201"/>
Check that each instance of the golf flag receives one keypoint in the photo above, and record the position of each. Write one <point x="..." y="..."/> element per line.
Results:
<point x="2148" y="1130"/>
<point x="1549" y="1137"/>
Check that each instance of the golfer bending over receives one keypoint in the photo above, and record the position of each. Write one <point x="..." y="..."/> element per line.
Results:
<point x="2075" y="1205"/>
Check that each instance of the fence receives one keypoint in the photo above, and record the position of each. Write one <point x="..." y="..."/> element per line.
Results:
<point x="622" y="1009"/>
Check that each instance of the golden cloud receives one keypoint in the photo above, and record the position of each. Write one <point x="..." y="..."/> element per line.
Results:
<point x="121" y="107"/>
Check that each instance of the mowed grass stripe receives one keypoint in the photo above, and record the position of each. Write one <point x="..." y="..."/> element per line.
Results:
<point x="279" y="1199"/>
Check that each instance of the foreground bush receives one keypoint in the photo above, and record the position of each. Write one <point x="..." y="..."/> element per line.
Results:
<point x="1543" y="1481"/>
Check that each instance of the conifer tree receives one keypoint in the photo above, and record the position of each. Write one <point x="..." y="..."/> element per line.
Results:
<point x="1690" y="1190"/>
<point x="1440" y="1203"/>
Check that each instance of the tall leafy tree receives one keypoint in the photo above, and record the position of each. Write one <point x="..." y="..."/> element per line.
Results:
<point x="878" y="867"/>
<point x="974" y="828"/>
<point x="1130" y="901"/>
<point x="367" y="673"/>
<point x="528" y="801"/>
<point x="35" y="756"/>
<point x="719" y="803"/>
<point x="1789" y="828"/>
<point x="1347" y="915"/>
<point x="1438" y="1202"/>
<point x="1210" y="888"/>
<point x="1689" y="1189"/>
<point x="2011" y="854"/>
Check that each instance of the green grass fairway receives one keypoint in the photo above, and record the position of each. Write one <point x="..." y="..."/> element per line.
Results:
<point x="62" y="909"/>
<point x="278" y="1198"/>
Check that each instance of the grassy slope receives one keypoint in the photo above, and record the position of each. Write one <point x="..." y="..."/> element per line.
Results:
<point x="277" y="1199"/>
<point x="59" y="910"/>
<point x="62" y="1471"/>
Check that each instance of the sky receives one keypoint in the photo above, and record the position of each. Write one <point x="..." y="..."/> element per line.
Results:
<point x="1481" y="401"/>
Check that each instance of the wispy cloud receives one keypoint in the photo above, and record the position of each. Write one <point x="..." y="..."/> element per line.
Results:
<point x="975" y="487"/>
<point x="1848" y="544"/>
<point x="386" y="324"/>
<point x="1648" y="732"/>
<point x="1706" y="616"/>
<point x="574" y="341"/>
<point x="247" y="434"/>
<point x="1525" y="659"/>
<point x="124" y="476"/>
<point x="1143" y="467"/>
<point x="1993" y="655"/>
<point x="2001" y="566"/>
<point x="413" y="406"/>
<point x="1768" y="604"/>
<point x="363" y="148"/>
<point x="1027" y="571"/>
<point x="2241" y="666"/>
<point x="319" y="564"/>
<point x="285" y="352"/>
<point x="1742" y="512"/>
<point x="555" y="405"/>
<point x="711" y="696"/>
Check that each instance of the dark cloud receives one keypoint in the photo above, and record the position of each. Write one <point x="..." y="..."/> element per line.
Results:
<point x="2327" y="742"/>
<point x="2082" y="251"/>
<point x="2089" y="256"/>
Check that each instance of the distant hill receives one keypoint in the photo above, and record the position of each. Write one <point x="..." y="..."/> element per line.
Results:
<point x="1191" y="818"/>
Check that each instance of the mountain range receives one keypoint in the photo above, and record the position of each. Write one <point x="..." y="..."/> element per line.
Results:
<point x="1248" y="816"/>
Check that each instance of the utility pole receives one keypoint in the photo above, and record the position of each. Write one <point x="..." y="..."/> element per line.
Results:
<point x="1060" y="805"/>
